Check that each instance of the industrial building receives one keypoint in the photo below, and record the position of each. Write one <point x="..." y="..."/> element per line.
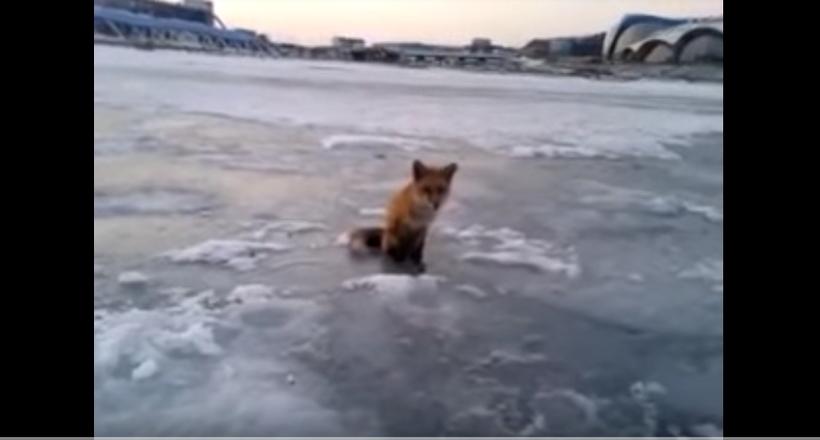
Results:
<point x="554" y="48"/>
<point x="481" y="53"/>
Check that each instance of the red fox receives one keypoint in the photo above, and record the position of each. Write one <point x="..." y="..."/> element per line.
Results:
<point x="410" y="213"/>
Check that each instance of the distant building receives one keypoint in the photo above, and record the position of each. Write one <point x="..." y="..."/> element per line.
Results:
<point x="122" y="26"/>
<point x="419" y="54"/>
<point x="481" y="45"/>
<point x="348" y="43"/>
<point x="198" y="11"/>
<point x="651" y="39"/>
<point x="204" y="5"/>
<point x="584" y="46"/>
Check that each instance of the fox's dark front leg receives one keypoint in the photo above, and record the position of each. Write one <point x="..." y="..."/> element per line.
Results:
<point x="397" y="253"/>
<point x="392" y="245"/>
<point x="417" y="253"/>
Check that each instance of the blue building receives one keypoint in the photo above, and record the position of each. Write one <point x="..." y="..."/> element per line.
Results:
<point x="192" y="32"/>
<point x="197" y="12"/>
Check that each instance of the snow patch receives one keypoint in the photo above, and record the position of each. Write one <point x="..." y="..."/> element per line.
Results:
<point x="368" y="141"/>
<point x="175" y="292"/>
<point x="372" y="212"/>
<point x="133" y="278"/>
<point x="343" y="239"/>
<point x="567" y="152"/>
<point x="237" y="254"/>
<point x="142" y="339"/>
<point x="145" y="370"/>
<point x="710" y="270"/>
<point x="636" y="277"/>
<point x="196" y="339"/>
<point x="473" y="291"/>
<point x="707" y="430"/>
<point x="645" y="394"/>
<point x="250" y="293"/>
<point x="611" y="197"/>
<point x="710" y="213"/>
<point x="514" y="249"/>
<point x="394" y="284"/>
<point x="288" y="227"/>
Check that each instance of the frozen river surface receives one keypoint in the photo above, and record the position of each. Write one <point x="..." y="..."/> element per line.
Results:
<point x="575" y="280"/>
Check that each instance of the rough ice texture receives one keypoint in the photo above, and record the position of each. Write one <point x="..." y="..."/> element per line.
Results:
<point x="586" y="152"/>
<point x="251" y="293"/>
<point x="514" y="249"/>
<point x="288" y="227"/>
<point x="707" y="430"/>
<point x="708" y="212"/>
<point x="369" y="141"/>
<point x="372" y="212"/>
<point x="132" y="278"/>
<point x="710" y="270"/>
<point x="473" y="291"/>
<point x="236" y="254"/>
<point x="195" y="339"/>
<point x="140" y="338"/>
<point x="145" y="370"/>
<point x="392" y="283"/>
<point x="611" y="197"/>
<point x="343" y="239"/>
<point x="177" y="351"/>
<point x="175" y="292"/>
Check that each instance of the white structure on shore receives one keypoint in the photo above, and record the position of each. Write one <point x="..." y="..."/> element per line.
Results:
<point x="651" y="39"/>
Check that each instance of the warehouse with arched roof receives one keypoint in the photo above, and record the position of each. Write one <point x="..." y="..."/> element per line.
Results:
<point x="651" y="39"/>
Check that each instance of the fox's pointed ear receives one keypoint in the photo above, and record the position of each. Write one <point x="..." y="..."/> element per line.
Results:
<point x="450" y="170"/>
<point x="419" y="169"/>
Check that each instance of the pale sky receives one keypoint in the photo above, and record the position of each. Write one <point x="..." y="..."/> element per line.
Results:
<point x="507" y="22"/>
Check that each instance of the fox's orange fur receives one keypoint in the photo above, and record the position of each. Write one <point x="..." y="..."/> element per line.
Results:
<point x="410" y="212"/>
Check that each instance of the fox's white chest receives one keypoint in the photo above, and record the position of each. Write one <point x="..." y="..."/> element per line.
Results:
<point x="422" y="216"/>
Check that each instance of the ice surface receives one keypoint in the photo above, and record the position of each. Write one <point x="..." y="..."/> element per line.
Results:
<point x="372" y="212"/>
<point x="514" y="249"/>
<point x="708" y="212"/>
<point x="710" y="270"/>
<point x="288" y="227"/>
<point x="176" y="292"/>
<point x="592" y="150"/>
<point x="612" y="197"/>
<point x="635" y="277"/>
<point x="251" y="293"/>
<point x="132" y="278"/>
<point x="393" y="283"/>
<point x="366" y="141"/>
<point x="145" y="370"/>
<point x="496" y="112"/>
<point x="219" y="390"/>
<point x="473" y="291"/>
<point x="141" y="336"/>
<point x="707" y="430"/>
<point x="237" y="254"/>
<point x="338" y="349"/>
<point x="151" y="201"/>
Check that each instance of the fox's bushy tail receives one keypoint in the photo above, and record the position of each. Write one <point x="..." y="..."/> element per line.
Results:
<point x="363" y="239"/>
